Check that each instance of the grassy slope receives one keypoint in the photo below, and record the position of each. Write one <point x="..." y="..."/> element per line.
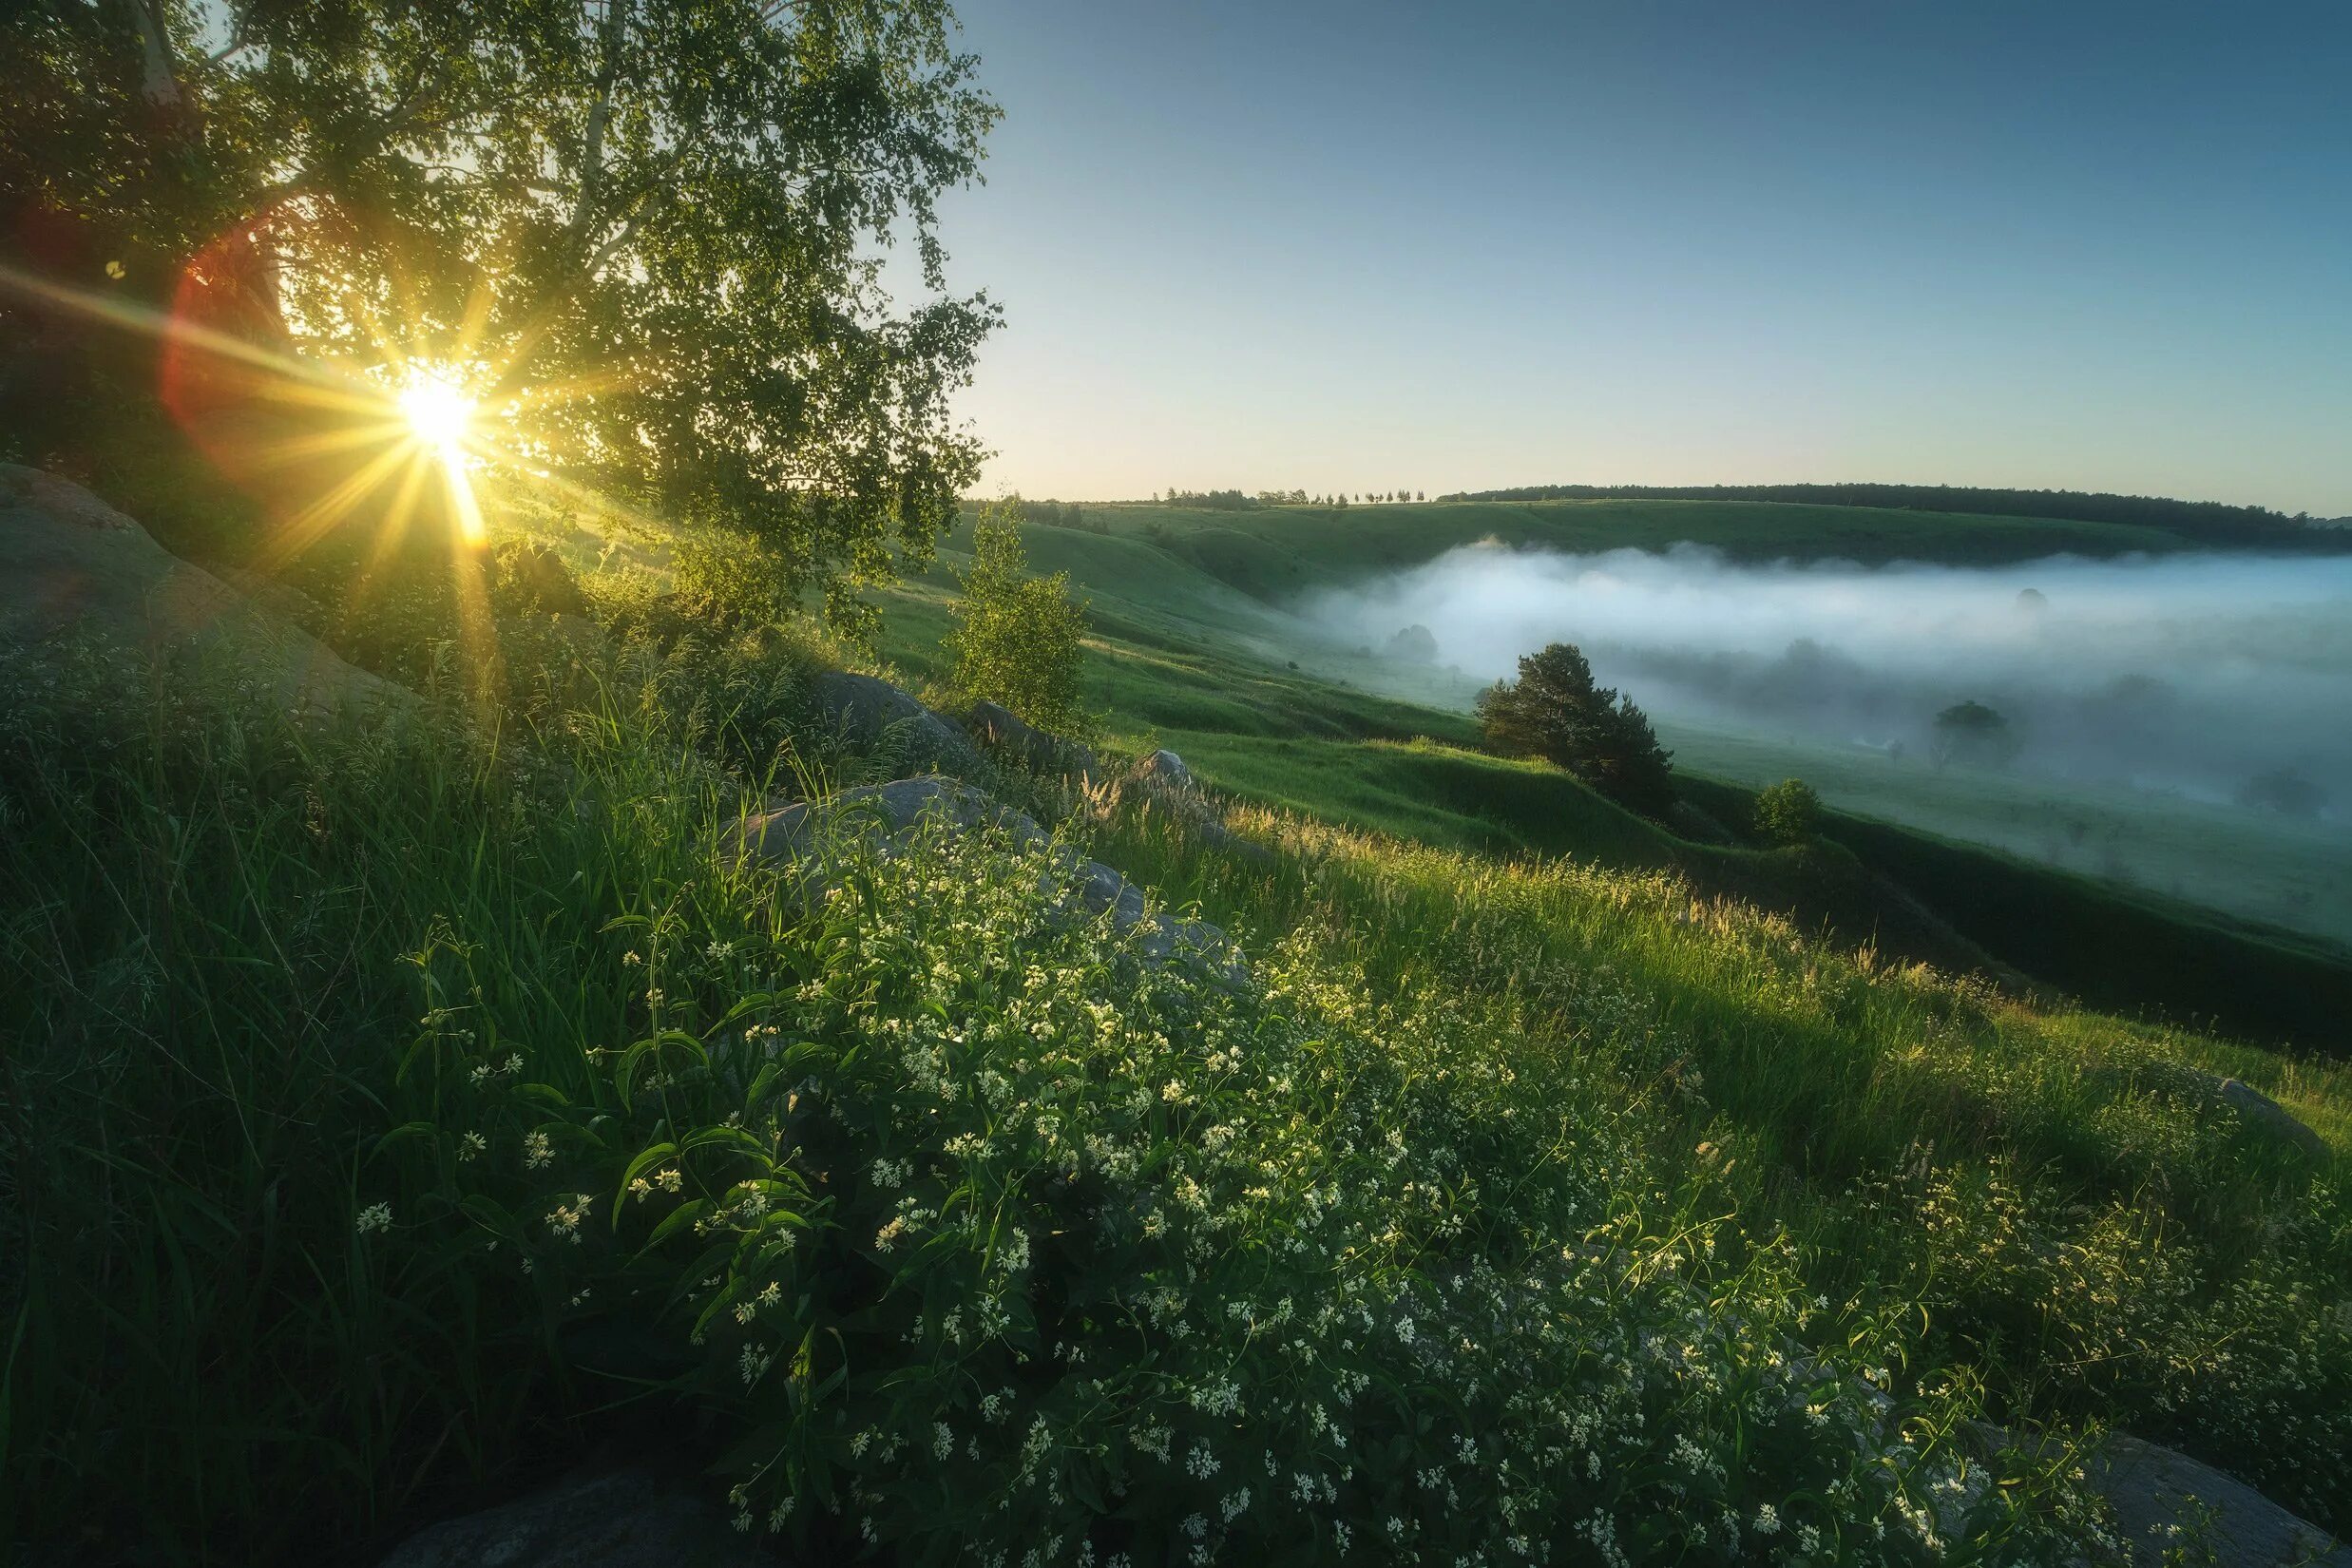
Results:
<point x="207" y="1266"/>
<point x="1184" y="660"/>
<point x="1281" y="549"/>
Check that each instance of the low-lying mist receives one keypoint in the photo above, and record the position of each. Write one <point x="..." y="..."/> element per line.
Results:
<point x="2225" y="678"/>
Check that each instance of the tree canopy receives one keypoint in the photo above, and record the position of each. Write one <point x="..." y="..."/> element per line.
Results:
<point x="1556" y="710"/>
<point x="648" y="234"/>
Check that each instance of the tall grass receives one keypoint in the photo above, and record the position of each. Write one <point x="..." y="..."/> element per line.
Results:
<point x="218" y="926"/>
<point x="2090" y="1234"/>
<point x="393" y="1107"/>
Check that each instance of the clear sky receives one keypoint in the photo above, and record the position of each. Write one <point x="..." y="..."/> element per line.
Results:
<point x="1447" y="246"/>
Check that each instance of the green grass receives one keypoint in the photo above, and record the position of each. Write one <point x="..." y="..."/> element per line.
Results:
<point x="1236" y="687"/>
<point x="396" y="1111"/>
<point x="1276" y="552"/>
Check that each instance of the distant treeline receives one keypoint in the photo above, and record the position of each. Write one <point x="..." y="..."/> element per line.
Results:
<point x="2195" y="519"/>
<point x="1060" y="514"/>
<point x="1242" y="501"/>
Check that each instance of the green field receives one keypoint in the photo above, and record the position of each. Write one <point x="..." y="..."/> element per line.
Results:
<point x="404" y="1110"/>
<point x="1194" y="650"/>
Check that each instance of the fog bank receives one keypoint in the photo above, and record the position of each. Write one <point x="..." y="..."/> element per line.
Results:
<point x="2196" y="674"/>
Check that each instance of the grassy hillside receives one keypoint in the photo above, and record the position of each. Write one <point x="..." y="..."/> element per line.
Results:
<point x="399" y="1109"/>
<point x="1273" y="552"/>
<point x="1191" y="662"/>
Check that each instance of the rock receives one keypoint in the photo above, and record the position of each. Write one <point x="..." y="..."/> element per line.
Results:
<point x="807" y="830"/>
<point x="2157" y="1493"/>
<point x="1167" y="784"/>
<point x="1163" y="769"/>
<point x="2259" y="1111"/>
<point x="874" y="715"/>
<point x="71" y="566"/>
<point x="889" y="816"/>
<point x="619" y="1518"/>
<point x="1007" y="734"/>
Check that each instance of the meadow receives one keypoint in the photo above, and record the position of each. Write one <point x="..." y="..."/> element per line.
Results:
<point x="402" y="1110"/>
<point x="2156" y="908"/>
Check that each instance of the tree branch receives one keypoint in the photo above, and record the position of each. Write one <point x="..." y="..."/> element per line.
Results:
<point x="592" y="141"/>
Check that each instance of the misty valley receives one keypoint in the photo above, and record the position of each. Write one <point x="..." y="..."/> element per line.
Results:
<point x="2178" y="724"/>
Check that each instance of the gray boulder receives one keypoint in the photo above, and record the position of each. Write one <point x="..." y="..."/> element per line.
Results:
<point x="73" y="567"/>
<point x="1164" y="771"/>
<point x="813" y="835"/>
<point x="1167" y="786"/>
<point x="871" y="715"/>
<point x="1007" y="734"/>
<point x="617" y="1518"/>
<point x="2163" y="1498"/>
<point x="2259" y="1111"/>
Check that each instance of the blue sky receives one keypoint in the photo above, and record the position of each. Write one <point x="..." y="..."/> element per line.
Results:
<point x="1364" y="246"/>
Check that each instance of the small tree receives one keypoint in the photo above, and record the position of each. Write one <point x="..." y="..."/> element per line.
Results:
<point x="1788" y="812"/>
<point x="1554" y="711"/>
<point x="1016" y="638"/>
<point x="1971" y="733"/>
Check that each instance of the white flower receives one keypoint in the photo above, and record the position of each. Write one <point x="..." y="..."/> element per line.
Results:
<point x="375" y="1216"/>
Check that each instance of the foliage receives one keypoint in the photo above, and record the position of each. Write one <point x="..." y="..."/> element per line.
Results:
<point x="955" y="1221"/>
<point x="723" y="579"/>
<point x="1788" y="812"/>
<point x="647" y="228"/>
<point x="2210" y="520"/>
<point x="1018" y="638"/>
<point x="1554" y="711"/>
<point x="1971" y="733"/>
<point x="531" y="579"/>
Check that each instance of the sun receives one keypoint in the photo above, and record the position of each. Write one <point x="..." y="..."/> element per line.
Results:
<point x="438" y="414"/>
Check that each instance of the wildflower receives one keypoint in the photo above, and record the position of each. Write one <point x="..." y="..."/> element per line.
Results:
<point x="1767" y="1520"/>
<point x="375" y="1216"/>
<point x="563" y="1219"/>
<point x="631" y="960"/>
<point x="473" y="1146"/>
<point x="537" y="1151"/>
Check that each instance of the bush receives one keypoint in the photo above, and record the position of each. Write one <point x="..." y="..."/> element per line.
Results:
<point x="1973" y="735"/>
<point x="1788" y="812"/>
<point x="1554" y="711"/>
<point x="1017" y="637"/>
<point x="727" y="580"/>
<point x="527" y="578"/>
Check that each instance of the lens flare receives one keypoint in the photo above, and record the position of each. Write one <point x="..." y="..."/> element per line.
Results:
<point x="440" y="419"/>
<point x="438" y="414"/>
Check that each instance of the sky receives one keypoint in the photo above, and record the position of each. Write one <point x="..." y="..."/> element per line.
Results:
<point x="1371" y="246"/>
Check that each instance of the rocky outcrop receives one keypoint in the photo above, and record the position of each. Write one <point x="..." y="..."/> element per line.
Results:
<point x="2165" y="1500"/>
<point x="73" y="567"/>
<point x="816" y="835"/>
<point x="2266" y="1115"/>
<point x="1008" y="734"/>
<point x="1167" y="786"/>
<point x="617" y="1518"/>
<point x="874" y="716"/>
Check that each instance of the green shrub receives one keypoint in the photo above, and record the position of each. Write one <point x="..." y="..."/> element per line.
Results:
<point x="1787" y="812"/>
<point x="725" y="580"/>
<point x="1554" y="711"/>
<point x="1017" y="637"/>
